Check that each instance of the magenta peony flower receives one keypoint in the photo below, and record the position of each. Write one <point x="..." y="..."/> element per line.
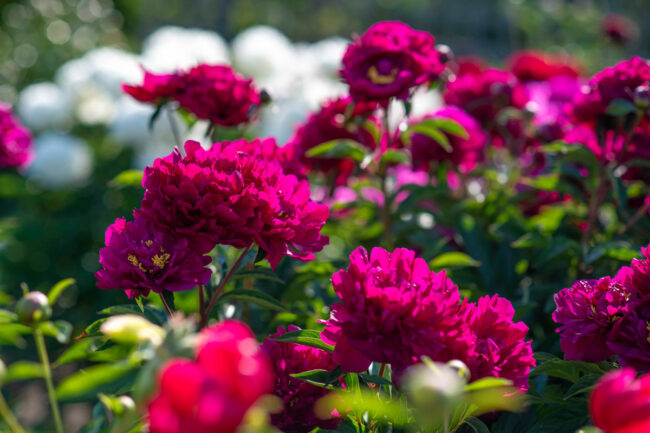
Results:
<point x="465" y="153"/>
<point x="484" y="95"/>
<point x="640" y="276"/>
<point x="587" y="312"/>
<point x="392" y="309"/>
<point x="139" y="258"/>
<point x="617" y="82"/>
<point x="155" y="88"/>
<point x="297" y="395"/>
<point x="334" y="121"/>
<point x="499" y="348"/>
<point x="15" y="141"/>
<point x="532" y="65"/>
<point x="620" y="403"/>
<point x="551" y="98"/>
<point x="630" y="337"/>
<point x="218" y="94"/>
<point x="389" y="60"/>
<point x="268" y="150"/>
<point x="213" y="393"/>
<point x="228" y="197"/>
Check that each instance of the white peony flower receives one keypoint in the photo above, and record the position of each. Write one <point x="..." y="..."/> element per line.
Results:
<point x="280" y="119"/>
<point x="44" y="106"/>
<point x="263" y="51"/>
<point x="61" y="160"/>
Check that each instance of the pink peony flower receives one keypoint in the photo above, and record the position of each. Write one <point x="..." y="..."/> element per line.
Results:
<point x="551" y="98"/>
<point x="630" y="337"/>
<point x="213" y="393"/>
<point x="228" y="197"/>
<point x="297" y="395"/>
<point x="155" y="88"/>
<point x="640" y="277"/>
<point x="484" y="95"/>
<point x="139" y="258"/>
<point x="218" y="94"/>
<point x="337" y="119"/>
<point x="389" y="60"/>
<point x="532" y="65"/>
<point x="15" y="141"/>
<point x="587" y="312"/>
<point x="617" y="82"/>
<point x="465" y="153"/>
<point x="499" y="348"/>
<point x="392" y="309"/>
<point x="620" y="403"/>
<point x="268" y="150"/>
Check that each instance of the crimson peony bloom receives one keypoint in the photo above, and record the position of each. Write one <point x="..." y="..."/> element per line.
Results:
<point x="15" y="141"/>
<point x="587" y="312"/>
<point x="465" y="153"/>
<point x="268" y="150"/>
<point x="392" y="309"/>
<point x="640" y="276"/>
<point x="533" y="65"/>
<point x="620" y="403"/>
<point x="297" y="395"/>
<point x="218" y="94"/>
<point x="155" y="88"/>
<point x="617" y="82"/>
<point x="484" y="95"/>
<point x="499" y="348"/>
<point x="334" y="121"/>
<point x="139" y="258"/>
<point x="630" y="337"/>
<point x="213" y="393"/>
<point x="229" y="197"/>
<point x="389" y="60"/>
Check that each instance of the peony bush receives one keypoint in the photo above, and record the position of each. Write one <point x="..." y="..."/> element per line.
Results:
<point x="480" y="266"/>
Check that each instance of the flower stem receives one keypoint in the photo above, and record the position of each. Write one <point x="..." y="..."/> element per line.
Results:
<point x="47" y="373"/>
<point x="217" y="292"/>
<point x="201" y="301"/>
<point x="169" y="310"/>
<point x="174" y="127"/>
<point x="386" y="216"/>
<point x="9" y="417"/>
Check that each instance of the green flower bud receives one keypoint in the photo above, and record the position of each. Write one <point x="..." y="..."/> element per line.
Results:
<point x="34" y="307"/>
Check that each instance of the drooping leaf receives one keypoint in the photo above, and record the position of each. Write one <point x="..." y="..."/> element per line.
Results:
<point x="453" y="259"/>
<point x="306" y="337"/>
<point x="22" y="370"/>
<point x="343" y="148"/>
<point x="58" y="288"/>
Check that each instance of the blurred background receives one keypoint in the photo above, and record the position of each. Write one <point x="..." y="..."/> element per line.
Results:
<point x="62" y="62"/>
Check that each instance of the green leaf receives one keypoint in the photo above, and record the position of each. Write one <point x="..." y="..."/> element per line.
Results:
<point x="620" y="107"/>
<point x="476" y="425"/>
<point x="153" y="315"/>
<point x="258" y="273"/>
<point x="7" y="316"/>
<point x="254" y="296"/>
<point x="370" y="378"/>
<point x="488" y="382"/>
<point x="582" y="385"/>
<point x="88" y="380"/>
<point x="321" y="378"/>
<point x="449" y="126"/>
<point x="453" y="259"/>
<point x="428" y="129"/>
<point x="81" y="349"/>
<point x="61" y="330"/>
<point x="127" y="178"/>
<point x="563" y="369"/>
<point x="22" y="370"/>
<point x="155" y="115"/>
<point x="590" y="429"/>
<point x="344" y="148"/>
<point x="546" y="182"/>
<point x="395" y="156"/>
<point x="58" y="288"/>
<point x="305" y="337"/>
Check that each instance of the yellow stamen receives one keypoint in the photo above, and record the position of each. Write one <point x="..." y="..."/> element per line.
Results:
<point x="377" y="78"/>
<point x="160" y="261"/>
<point x="148" y="243"/>
<point x="135" y="262"/>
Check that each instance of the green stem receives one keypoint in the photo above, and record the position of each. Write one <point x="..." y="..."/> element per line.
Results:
<point x="174" y="127"/>
<point x="385" y="211"/>
<point x="47" y="373"/>
<point x="9" y="417"/>
<point x="170" y="313"/>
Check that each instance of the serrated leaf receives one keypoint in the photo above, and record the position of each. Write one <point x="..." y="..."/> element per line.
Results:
<point x="259" y="273"/>
<point x="305" y="337"/>
<point x="22" y="370"/>
<point x="127" y="178"/>
<point x="58" y="288"/>
<point x="343" y="148"/>
<point x="453" y="259"/>
<point x="254" y="296"/>
<point x="620" y="107"/>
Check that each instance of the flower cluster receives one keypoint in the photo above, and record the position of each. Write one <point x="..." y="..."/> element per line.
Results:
<point x="394" y="310"/>
<point x="606" y="317"/>
<point x="15" y="141"/>
<point x="297" y="396"/>
<point x="213" y="392"/>
<point x="212" y="92"/>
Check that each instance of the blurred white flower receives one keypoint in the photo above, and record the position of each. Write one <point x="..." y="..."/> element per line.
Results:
<point x="263" y="51"/>
<point x="61" y="160"/>
<point x="328" y="54"/>
<point x="131" y="123"/>
<point x="280" y="119"/>
<point x="44" y="106"/>
<point x="171" y="48"/>
<point x="425" y="101"/>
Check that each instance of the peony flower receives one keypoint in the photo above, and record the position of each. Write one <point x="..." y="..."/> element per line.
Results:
<point x="61" y="161"/>
<point x="155" y="88"/>
<point x="640" y="276"/>
<point x="215" y="392"/>
<point x="44" y="106"/>
<point x="218" y="94"/>
<point x="617" y="82"/>
<point x="389" y="60"/>
<point x="297" y="395"/>
<point x="15" y="141"/>
<point x="499" y="348"/>
<point x="229" y="197"/>
<point x="392" y="309"/>
<point x="268" y="150"/>
<point x="550" y="98"/>
<point x="334" y="121"/>
<point x="587" y="312"/>
<point x="620" y="403"/>
<point x="484" y="95"/>
<point x="630" y="337"/>
<point x="139" y="258"/>
<point x="464" y="153"/>
<point x="532" y="65"/>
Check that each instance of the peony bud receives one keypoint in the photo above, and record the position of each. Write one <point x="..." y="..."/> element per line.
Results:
<point x="132" y="329"/>
<point x="3" y="372"/>
<point x="642" y="96"/>
<point x="446" y="54"/>
<point x="34" y="307"/>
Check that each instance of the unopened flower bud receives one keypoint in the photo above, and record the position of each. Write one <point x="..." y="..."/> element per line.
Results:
<point x="446" y="54"/>
<point x="132" y="329"/>
<point x="434" y="388"/>
<point x="265" y="97"/>
<point x="642" y="96"/>
<point x="3" y="372"/>
<point x="34" y="307"/>
<point x="460" y="368"/>
<point x="127" y="403"/>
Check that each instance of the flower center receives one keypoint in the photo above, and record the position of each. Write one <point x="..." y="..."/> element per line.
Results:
<point x="158" y="260"/>
<point x="377" y="78"/>
<point x="647" y="327"/>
